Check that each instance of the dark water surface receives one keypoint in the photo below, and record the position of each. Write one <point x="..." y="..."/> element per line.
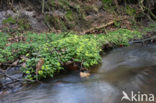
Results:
<point x="124" y="69"/>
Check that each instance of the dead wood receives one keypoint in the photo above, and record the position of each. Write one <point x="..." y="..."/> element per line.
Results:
<point x="103" y="25"/>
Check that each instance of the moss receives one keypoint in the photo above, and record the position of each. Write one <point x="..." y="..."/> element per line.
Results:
<point x="130" y="11"/>
<point x="69" y="15"/>
<point x="58" y="4"/>
<point x="23" y="24"/>
<point x="16" y="25"/>
<point x="88" y="9"/>
<point x="117" y="24"/>
<point x="75" y="14"/>
<point x="9" y="20"/>
<point x="57" y="22"/>
<point x="67" y="21"/>
<point x="52" y="20"/>
<point x="62" y="25"/>
<point x="107" y="4"/>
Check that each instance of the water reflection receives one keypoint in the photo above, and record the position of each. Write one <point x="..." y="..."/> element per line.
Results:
<point x="122" y="69"/>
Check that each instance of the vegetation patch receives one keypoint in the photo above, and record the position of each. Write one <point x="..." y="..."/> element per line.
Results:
<point x="44" y="55"/>
<point x="15" y="25"/>
<point x="151" y="27"/>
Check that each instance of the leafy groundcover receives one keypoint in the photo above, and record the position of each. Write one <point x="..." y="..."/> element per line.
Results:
<point x="44" y="55"/>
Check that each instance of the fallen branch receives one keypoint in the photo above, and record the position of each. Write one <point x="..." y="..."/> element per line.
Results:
<point x="99" y="27"/>
<point x="143" y="40"/>
<point x="103" y="25"/>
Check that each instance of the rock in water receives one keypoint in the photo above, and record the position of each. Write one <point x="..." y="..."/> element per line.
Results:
<point x="84" y="74"/>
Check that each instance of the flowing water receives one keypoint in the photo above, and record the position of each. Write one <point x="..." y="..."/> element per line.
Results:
<point x="124" y="69"/>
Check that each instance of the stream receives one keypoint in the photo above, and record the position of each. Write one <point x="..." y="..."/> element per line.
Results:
<point x="129" y="69"/>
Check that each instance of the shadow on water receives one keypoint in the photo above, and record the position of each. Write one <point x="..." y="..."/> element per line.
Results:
<point x="124" y="69"/>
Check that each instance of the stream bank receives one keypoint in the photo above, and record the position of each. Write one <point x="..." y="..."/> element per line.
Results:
<point x="129" y="69"/>
<point x="10" y="86"/>
<point x="42" y="55"/>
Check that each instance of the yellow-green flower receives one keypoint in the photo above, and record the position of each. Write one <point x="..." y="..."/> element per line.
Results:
<point x="27" y="72"/>
<point x="40" y="72"/>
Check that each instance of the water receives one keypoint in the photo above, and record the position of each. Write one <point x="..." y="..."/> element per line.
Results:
<point x="124" y="69"/>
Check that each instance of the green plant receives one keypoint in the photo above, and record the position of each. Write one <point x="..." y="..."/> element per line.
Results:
<point x="57" y="50"/>
<point x="73" y="48"/>
<point x="23" y="24"/>
<point x="117" y="24"/>
<point x="107" y="2"/>
<point x="15" y="25"/>
<point x="9" y="20"/>
<point x="130" y="11"/>
<point x="150" y="27"/>
<point x="122" y="36"/>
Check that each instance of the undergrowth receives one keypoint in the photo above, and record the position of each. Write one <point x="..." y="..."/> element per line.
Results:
<point x="56" y="50"/>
